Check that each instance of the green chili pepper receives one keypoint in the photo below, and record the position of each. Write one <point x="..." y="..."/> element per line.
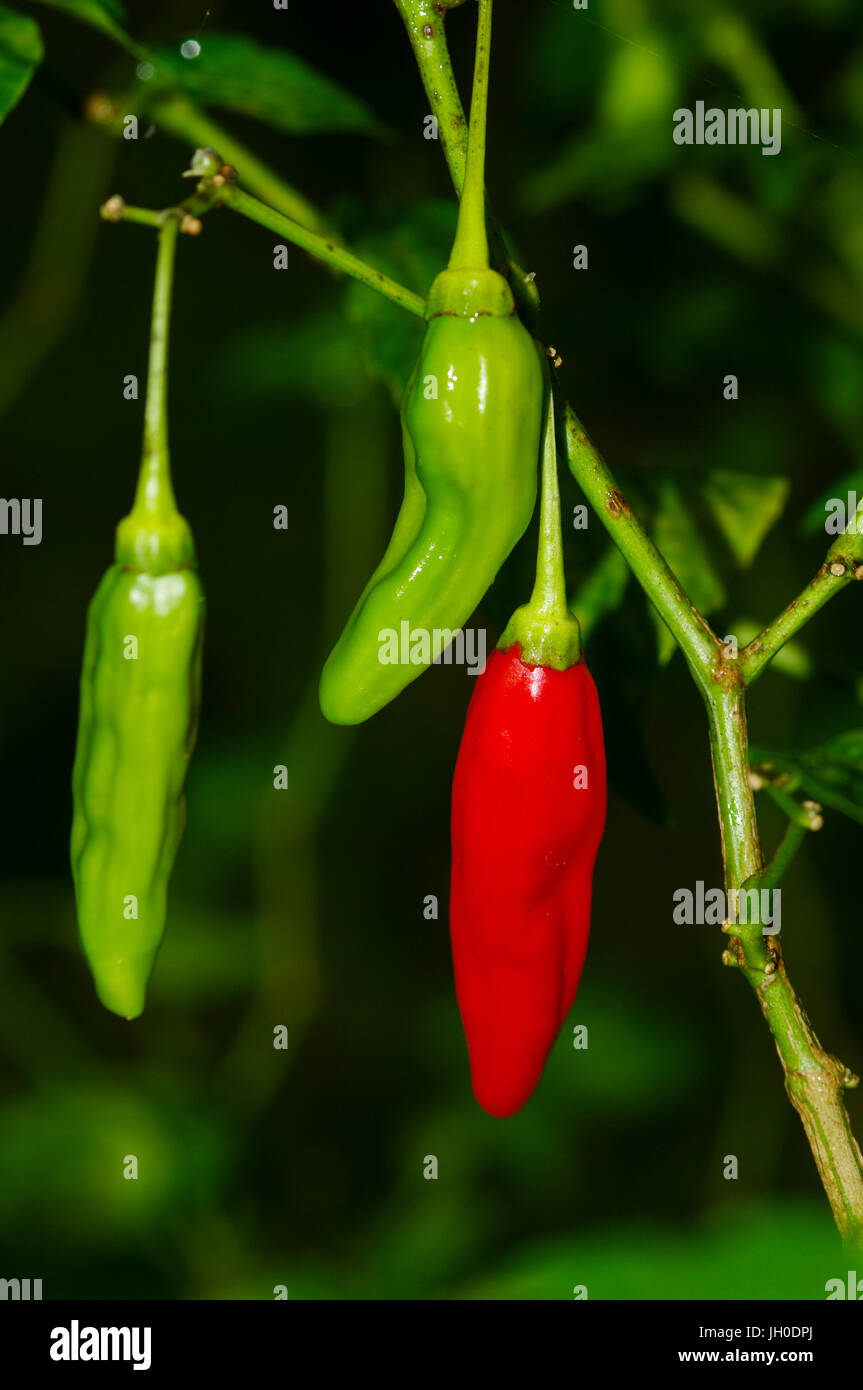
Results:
<point x="140" y="697"/>
<point x="471" y="426"/>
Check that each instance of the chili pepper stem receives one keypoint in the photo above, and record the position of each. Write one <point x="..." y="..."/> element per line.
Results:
<point x="470" y="248"/>
<point x="545" y="629"/>
<point x="154" y="537"/>
<point x="155" y="493"/>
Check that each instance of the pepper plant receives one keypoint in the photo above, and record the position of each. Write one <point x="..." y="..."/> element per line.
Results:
<point x="486" y="296"/>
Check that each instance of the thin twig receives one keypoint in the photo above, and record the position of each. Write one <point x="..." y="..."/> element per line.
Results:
<point x="208" y="195"/>
<point x="844" y="562"/>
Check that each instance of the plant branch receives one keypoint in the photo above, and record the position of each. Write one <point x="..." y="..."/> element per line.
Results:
<point x="815" y="1081"/>
<point x="211" y="193"/>
<point x="804" y="815"/>
<point x="322" y="248"/>
<point x="773" y="872"/>
<point x="843" y="563"/>
<point x="181" y="118"/>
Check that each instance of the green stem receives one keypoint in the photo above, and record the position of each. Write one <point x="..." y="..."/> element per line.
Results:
<point x="843" y="563"/>
<point x="549" y="590"/>
<point x="470" y="248"/>
<point x="786" y="803"/>
<point x="424" y="23"/>
<point x="117" y="210"/>
<point x="773" y="873"/>
<point x="322" y="248"/>
<point x="815" y="1081"/>
<point x="206" y="197"/>
<point x="544" y="628"/>
<point x="155" y="493"/>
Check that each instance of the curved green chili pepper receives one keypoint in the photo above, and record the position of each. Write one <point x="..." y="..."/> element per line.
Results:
<point x="140" y="697"/>
<point x="471" y="427"/>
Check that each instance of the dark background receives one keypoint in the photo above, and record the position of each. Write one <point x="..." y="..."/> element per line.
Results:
<point x="304" y="907"/>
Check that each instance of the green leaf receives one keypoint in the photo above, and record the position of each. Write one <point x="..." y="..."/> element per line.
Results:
<point x="677" y="537"/>
<point x="108" y="16"/>
<point x="745" y="507"/>
<point x="271" y="84"/>
<point x="831" y="774"/>
<point x="20" y="55"/>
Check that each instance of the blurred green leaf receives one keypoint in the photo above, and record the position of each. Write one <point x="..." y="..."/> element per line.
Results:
<point x="20" y="55"/>
<point x="836" y="374"/>
<point x="815" y="520"/>
<point x="831" y="773"/>
<point x="638" y="1056"/>
<point x="206" y="958"/>
<point x="731" y="41"/>
<point x="726" y="219"/>
<point x="562" y="66"/>
<point x="629" y="141"/>
<point x="108" y="16"/>
<point x="678" y="538"/>
<point x="63" y="1153"/>
<point x="609" y="161"/>
<point x="271" y="84"/>
<point x="850" y="87"/>
<point x="756" y="1253"/>
<point x="319" y="357"/>
<point x="640" y="84"/>
<point x="306" y="1279"/>
<point x="745" y="507"/>
<point x="602" y="591"/>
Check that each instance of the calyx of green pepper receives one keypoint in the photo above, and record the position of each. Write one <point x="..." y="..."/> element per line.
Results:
<point x="545" y="630"/>
<point x="154" y="538"/>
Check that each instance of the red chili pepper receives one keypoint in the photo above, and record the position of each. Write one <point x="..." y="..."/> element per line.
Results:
<point x="528" y="813"/>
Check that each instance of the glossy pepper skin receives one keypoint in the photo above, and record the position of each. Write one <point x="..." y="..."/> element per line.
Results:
<point x="524" y="840"/>
<point x="137" y="728"/>
<point x="471" y="425"/>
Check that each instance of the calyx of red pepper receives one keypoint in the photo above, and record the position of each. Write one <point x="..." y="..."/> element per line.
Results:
<point x="545" y="630"/>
